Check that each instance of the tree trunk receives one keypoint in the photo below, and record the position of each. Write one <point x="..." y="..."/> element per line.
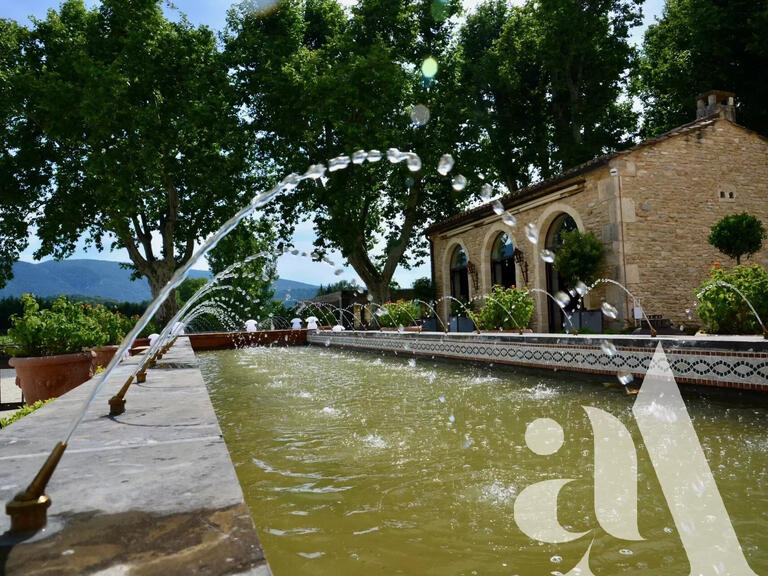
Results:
<point x="379" y="290"/>
<point x="158" y="277"/>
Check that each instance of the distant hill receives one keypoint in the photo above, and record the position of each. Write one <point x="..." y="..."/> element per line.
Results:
<point x="108" y="280"/>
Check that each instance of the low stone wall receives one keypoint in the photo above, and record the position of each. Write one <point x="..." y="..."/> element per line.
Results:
<point x="152" y="491"/>
<point x="226" y="340"/>
<point x="727" y="362"/>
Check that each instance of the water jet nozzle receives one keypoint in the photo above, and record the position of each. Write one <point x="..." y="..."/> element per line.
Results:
<point x="28" y="509"/>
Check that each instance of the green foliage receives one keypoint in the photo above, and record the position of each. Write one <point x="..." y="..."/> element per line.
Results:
<point x="114" y="324"/>
<point x="337" y="287"/>
<point x="398" y="313"/>
<point x="738" y="235"/>
<point x="701" y="45"/>
<point x="187" y="289"/>
<point x="124" y="126"/>
<point x="319" y="82"/>
<point x="723" y="311"/>
<point x="424" y="289"/>
<point x="505" y="309"/>
<point x="23" y="411"/>
<point x="64" y="329"/>
<point x="545" y="82"/>
<point x="579" y="257"/>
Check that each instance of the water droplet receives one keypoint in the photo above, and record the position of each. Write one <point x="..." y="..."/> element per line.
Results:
<point x="668" y="530"/>
<point x="562" y="299"/>
<point x="459" y="182"/>
<point x="295" y="251"/>
<point x="498" y="207"/>
<point x="338" y="163"/>
<point x="400" y="328"/>
<point x="374" y="155"/>
<point x="548" y="256"/>
<point x="359" y="157"/>
<point x="556" y="559"/>
<point x="508" y="219"/>
<point x="625" y="377"/>
<point x="445" y="164"/>
<point x="432" y="378"/>
<point x="486" y="192"/>
<point x="429" y="67"/>
<point x="369" y="298"/>
<point x="532" y="233"/>
<point x="413" y="163"/>
<point x="394" y="155"/>
<point x="442" y="399"/>
<point x="327" y="342"/>
<point x="419" y="114"/>
<point x="315" y="171"/>
<point x="452" y="418"/>
<point x="608" y="348"/>
<point x="412" y="362"/>
<point x="338" y="271"/>
<point x="626" y="552"/>
<point x="609" y="310"/>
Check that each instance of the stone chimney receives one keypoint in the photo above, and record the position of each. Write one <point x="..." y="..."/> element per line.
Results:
<point x="716" y="102"/>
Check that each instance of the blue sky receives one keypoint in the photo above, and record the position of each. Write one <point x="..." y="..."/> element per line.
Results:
<point x="212" y="13"/>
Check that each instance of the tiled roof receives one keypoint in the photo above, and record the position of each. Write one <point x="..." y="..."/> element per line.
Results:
<point x="518" y="196"/>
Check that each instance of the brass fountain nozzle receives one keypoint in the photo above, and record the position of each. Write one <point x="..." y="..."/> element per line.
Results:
<point x="28" y="509"/>
<point x="117" y="402"/>
<point x="653" y="332"/>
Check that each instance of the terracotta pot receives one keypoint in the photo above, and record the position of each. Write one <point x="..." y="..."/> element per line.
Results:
<point x="102" y="355"/>
<point x="46" y="377"/>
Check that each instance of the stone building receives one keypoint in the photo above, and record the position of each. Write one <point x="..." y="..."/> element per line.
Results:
<point x="651" y="205"/>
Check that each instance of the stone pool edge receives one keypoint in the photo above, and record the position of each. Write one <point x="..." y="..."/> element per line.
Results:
<point x="152" y="491"/>
<point x="722" y="362"/>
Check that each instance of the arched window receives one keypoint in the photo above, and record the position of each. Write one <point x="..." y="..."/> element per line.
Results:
<point x="503" y="261"/>
<point x="563" y="223"/>
<point x="459" y="277"/>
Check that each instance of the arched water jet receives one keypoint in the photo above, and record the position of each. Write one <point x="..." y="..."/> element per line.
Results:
<point x="724" y="284"/>
<point x="620" y="285"/>
<point x="434" y="313"/>
<point x="556" y="301"/>
<point x="466" y="310"/>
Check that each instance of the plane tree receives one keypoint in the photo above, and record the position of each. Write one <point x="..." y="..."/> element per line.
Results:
<point x="120" y="130"/>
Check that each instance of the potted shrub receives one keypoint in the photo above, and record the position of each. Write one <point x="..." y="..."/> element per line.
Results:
<point x="400" y="313"/>
<point x="115" y="325"/>
<point x="505" y="309"/>
<point x="48" y="354"/>
<point x="723" y="310"/>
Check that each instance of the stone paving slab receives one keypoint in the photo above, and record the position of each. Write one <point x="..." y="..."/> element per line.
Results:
<point x="151" y="491"/>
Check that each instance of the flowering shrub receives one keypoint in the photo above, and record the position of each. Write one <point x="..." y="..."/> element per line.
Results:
<point x="505" y="308"/>
<point x="398" y="313"/>
<point x="114" y="324"/>
<point x="723" y="311"/>
<point x="64" y="329"/>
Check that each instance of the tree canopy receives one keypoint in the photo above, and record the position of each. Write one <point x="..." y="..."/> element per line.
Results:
<point x="318" y="83"/>
<point x="546" y="81"/>
<point x="738" y="235"/>
<point x="120" y="128"/>
<point x="701" y="45"/>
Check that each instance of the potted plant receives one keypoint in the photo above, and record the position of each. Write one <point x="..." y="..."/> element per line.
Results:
<point x="506" y="309"/>
<point x="48" y="354"/>
<point x="115" y="325"/>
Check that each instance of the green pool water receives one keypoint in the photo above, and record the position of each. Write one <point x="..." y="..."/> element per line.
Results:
<point x="354" y="463"/>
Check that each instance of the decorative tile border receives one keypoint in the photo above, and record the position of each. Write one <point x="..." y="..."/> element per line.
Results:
<point x="710" y="363"/>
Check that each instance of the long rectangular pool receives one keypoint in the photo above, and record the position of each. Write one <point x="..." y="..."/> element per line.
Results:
<point x="354" y="463"/>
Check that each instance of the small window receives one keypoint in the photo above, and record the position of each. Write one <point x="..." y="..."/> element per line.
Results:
<point x="726" y="196"/>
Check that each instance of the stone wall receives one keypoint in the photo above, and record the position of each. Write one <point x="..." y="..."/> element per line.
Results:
<point x="652" y="207"/>
<point x="672" y="197"/>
